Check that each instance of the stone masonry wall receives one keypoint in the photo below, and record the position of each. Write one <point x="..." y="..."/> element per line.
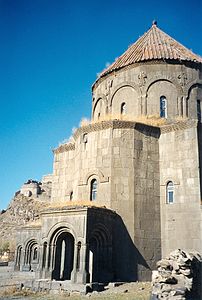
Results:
<point x="124" y="159"/>
<point x="74" y="169"/>
<point x="140" y="86"/>
<point x="179" y="163"/>
<point x="147" y="227"/>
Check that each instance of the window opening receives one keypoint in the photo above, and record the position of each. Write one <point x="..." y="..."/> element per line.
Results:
<point x="78" y="256"/>
<point x="93" y="193"/>
<point x="85" y="140"/>
<point x="199" y="110"/>
<point x="170" y="192"/>
<point x="35" y="254"/>
<point x="123" y="108"/>
<point x="71" y="196"/>
<point x="163" y="107"/>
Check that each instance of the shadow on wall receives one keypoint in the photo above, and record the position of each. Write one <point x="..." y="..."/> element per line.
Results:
<point x="196" y="291"/>
<point x="199" y="131"/>
<point x="127" y="260"/>
<point x="148" y="130"/>
<point x="112" y="255"/>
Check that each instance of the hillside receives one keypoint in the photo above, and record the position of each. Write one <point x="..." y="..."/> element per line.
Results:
<point x="21" y="210"/>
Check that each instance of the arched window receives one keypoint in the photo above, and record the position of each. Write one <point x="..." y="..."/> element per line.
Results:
<point x="170" y="192"/>
<point x="93" y="190"/>
<point x="35" y="253"/>
<point x="163" y="107"/>
<point x="199" y="110"/>
<point x="85" y="138"/>
<point x="123" y="108"/>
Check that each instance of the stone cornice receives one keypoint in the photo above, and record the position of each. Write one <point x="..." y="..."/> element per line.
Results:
<point x="76" y="209"/>
<point x="103" y="125"/>
<point x="181" y="125"/>
<point x="116" y="124"/>
<point x="149" y="62"/>
<point x="64" y="148"/>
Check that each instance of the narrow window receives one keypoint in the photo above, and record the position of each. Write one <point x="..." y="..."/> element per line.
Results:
<point x="35" y="254"/>
<point x="98" y="116"/>
<point x="71" y="196"/>
<point x="123" y="108"/>
<point x="170" y="192"/>
<point x="78" y="256"/>
<point x="93" y="190"/>
<point x="85" y="140"/>
<point x="163" y="107"/>
<point x="181" y="104"/>
<point x="199" y="110"/>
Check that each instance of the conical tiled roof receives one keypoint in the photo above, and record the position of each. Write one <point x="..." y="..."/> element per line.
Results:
<point x="153" y="45"/>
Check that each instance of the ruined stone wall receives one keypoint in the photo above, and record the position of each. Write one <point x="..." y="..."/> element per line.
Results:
<point x="179" y="163"/>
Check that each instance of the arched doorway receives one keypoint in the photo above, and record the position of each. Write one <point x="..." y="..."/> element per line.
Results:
<point x="63" y="256"/>
<point x="100" y="256"/>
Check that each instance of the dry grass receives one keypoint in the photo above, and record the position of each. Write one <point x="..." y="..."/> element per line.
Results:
<point x="13" y="291"/>
<point x="153" y="120"/>
<point x="61" y="204"/>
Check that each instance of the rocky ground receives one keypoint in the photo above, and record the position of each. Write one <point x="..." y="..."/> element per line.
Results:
<point x="126" y="291"/>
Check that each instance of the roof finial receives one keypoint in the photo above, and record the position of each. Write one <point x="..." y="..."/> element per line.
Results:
<point x="154" y="22"/>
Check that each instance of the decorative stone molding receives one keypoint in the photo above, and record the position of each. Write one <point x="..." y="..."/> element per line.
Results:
<point x="69" y="227"/>
<point x="167" y="78"/>
<point x="182" y="79"/>
<point x="64" y="148"/>
<point x="167" y="179"/>
<point x="142" y="77"/>
<point x="96" y="173"/>
<point x="191" y="85"/>
<point x="134" y="65"/>
<point x="122" y="85"/>
<point x="179" y="126"/>
<point x="99" y="97"/>
<point x="108" y="86"/>
<point x="116" y="124"/>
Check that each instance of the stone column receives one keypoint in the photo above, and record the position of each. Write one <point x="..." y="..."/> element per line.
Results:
<point x="40" y="256"/>
<point x="180" y="106"/>
<point x="144" y="104"/>
<point x="80" y="276"/>
<point x="185" y="108"/>
<point x="47" y="272"/>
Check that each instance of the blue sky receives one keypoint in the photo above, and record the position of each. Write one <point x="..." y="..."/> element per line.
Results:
<point x="50" y="53"/>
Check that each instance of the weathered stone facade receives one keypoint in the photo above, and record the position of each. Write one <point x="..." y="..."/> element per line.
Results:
<point x="130" y="181"/>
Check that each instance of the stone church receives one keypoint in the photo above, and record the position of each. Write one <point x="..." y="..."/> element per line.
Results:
<point x="126" y="190"/>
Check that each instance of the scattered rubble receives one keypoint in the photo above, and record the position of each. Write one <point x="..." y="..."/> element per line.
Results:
<point x="178" y="276"/>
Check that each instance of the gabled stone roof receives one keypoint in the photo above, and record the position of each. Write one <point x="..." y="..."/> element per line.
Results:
<point x="153" y="45"/>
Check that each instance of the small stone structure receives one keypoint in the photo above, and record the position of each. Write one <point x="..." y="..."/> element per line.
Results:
<point x="37" y="189"/>
<point x="178" y="276"/>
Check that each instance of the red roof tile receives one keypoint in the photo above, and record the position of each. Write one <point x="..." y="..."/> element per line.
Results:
<point x="153" y="45"/>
